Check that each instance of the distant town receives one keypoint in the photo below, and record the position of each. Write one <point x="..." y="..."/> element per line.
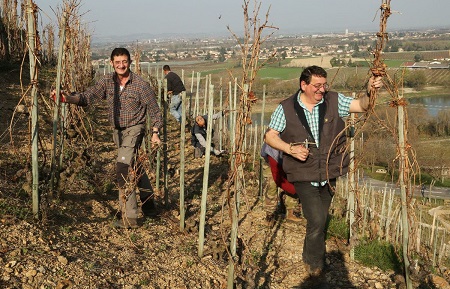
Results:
<point x="432" y="46"/>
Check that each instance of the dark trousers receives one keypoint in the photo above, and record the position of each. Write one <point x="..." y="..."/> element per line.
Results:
<point x="315" y="204"/>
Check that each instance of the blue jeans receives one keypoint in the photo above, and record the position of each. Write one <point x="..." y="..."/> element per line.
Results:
<point x="175" y="107"/>
<point x="315" y="204"/>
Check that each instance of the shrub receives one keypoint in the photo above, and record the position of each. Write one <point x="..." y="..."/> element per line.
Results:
<point x="415" y="79"/>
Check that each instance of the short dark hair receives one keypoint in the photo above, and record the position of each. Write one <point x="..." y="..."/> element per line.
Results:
<point x="120" y="51"/>
<point x="309" y="71"/>
<point x="166" y="67"/>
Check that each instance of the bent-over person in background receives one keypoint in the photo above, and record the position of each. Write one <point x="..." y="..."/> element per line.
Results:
<point x="199" y="134"/>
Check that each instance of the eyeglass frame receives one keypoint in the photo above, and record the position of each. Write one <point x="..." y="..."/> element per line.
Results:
<point x="318" y="86"/>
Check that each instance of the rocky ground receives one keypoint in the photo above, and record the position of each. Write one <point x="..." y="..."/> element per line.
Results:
<point x="74" y="244"/>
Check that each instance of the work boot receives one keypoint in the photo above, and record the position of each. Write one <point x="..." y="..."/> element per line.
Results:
<point x="291" y="217"/>
<point x="126" y="223"/>
<point x="313" y="272"/>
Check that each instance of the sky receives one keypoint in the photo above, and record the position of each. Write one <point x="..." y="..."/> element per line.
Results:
<point x="105" y="18"/>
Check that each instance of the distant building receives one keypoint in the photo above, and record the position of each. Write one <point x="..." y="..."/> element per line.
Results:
<point x="425" y="65"/>
<point x="381" y="171"/>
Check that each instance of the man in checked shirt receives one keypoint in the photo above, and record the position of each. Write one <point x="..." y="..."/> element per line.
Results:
<point x="129" y="98"/>
<point x="308" y="128"/>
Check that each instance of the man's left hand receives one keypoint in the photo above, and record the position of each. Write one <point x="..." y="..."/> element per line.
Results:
<point x="374" y="82"/>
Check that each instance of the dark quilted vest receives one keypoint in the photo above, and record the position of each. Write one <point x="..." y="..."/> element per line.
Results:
<point x="323" y="163"/>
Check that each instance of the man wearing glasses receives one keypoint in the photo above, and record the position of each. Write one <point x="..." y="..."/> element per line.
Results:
<point x="308" y="128"/>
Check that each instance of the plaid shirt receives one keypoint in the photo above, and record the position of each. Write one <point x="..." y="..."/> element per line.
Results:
<point x="278" y="119"/>
<point x="127" y="106"/>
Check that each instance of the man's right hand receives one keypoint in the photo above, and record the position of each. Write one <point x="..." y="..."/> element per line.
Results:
<point x="299" y="152"/>
<point x="53" y="96"/>
<point x="156" y="141"/>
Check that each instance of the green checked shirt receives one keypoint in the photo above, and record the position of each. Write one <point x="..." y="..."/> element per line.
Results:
<point x="278" y="119"/>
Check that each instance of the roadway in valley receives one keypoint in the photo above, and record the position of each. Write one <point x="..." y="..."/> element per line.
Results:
<point x="436" y="192"/>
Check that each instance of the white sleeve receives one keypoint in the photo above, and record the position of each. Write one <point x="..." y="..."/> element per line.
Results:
<point x="201" y="139"/>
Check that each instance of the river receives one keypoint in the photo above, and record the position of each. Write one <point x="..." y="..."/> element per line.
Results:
<point x="433" y="104"/>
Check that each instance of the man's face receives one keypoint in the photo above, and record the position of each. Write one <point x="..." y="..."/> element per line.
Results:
<point x="121" y="65"/>
<point x="315" y="90"/>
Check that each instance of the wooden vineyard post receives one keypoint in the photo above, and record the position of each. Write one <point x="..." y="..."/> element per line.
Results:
<point x="233" y="123"/>
<point x="221" y="126"/>
<point x="403" y="182"/>
<point x="250" y="49"/>
<point x="62" y="40"/>
<point x="383" y="210"/>
<point x="205" y="97"/>
<point x="230" y="120"/>
<point x="201" y="229"/>
<point x="389" y="215"/>
<point x="351" y="198"/>
<point x="158" y="152"/>
<point x="192" y="81"/>
<point x="419" y="231"/>
<point x="255" y="145"/>
<point x="182" y="159"/>
<point x="165" y="157"/>
<point x="189" y="113"/>
<point x="197" y="96"/>
<point x="31" y="33"/>
<point x="403" y="166"/>
<point x="235" y="209"/>
<point x="262" y="140"/>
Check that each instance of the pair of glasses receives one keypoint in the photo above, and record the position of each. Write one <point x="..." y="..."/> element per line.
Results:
<point x="118" y="62"/>
<point x="320" y="85"/>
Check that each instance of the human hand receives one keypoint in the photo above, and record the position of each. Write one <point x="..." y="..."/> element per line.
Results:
<point x="374" y="83"/>
<point x="299" y="152"/>
<point x="156" y="141"/>
<point x="53" y="96"/>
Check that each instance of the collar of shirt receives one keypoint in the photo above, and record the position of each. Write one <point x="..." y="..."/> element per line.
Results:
<point x="115" y="77"/>
<point x="301" y="103"/>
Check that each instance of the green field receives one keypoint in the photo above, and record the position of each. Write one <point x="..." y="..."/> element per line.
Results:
<point x="282" y="73"/>
<point x="281" y="79"/>
<point x="394" y="63"/>
<point x="409" y="55"/>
